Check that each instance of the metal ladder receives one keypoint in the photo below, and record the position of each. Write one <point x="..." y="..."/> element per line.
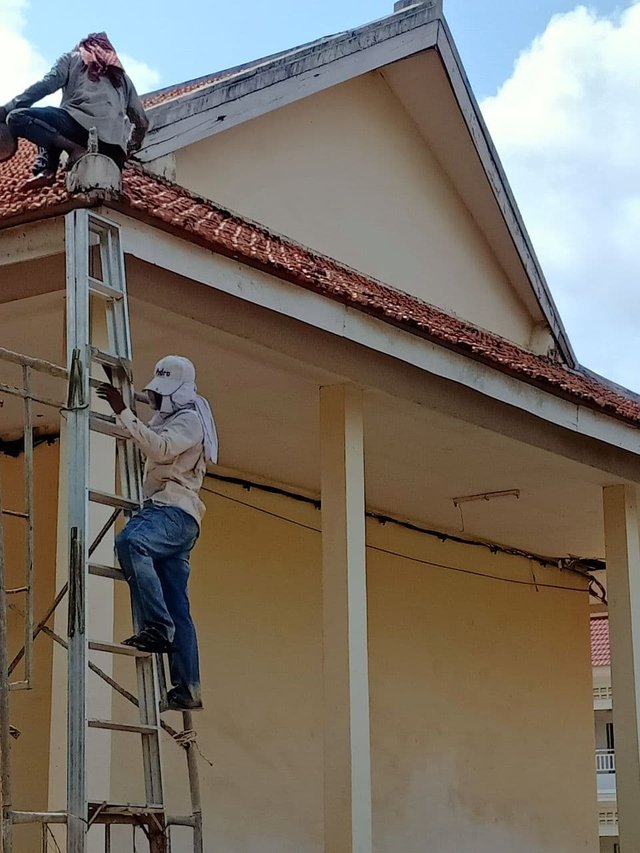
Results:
<point x="90" y="238"/>
<point x="96" y="278"/>
<point x="87" y="236"/>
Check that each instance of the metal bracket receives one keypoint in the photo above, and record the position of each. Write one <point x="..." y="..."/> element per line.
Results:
<point x="76" y="582"/>
<point x="75" y="394"/>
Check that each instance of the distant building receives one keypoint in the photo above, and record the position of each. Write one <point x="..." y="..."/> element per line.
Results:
<point x="605" y="738"/>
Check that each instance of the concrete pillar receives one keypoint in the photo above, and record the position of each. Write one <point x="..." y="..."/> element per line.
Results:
<point x="622" y="543"/>
<point x="347" y="751"/>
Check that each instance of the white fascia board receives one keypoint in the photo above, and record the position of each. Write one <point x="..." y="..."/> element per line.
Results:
<point x="31" y="241"/>
<point x="197" y="115"/>
<point x="499" y="183"/>
<point x="261" y="289"/>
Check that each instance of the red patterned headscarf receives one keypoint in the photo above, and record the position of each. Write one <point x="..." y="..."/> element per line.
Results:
<point x="99" y="55"/>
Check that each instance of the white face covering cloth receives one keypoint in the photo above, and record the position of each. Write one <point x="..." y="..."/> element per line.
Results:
<point x="187" y="397"/>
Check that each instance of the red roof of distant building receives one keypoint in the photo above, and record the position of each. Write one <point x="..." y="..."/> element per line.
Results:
<point x="600" y="648"/>
<point x="153" y="99"/>
<point x="173" y="208"/>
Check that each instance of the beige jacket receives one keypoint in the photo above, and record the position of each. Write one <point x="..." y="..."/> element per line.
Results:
<point x="175" y="463"/>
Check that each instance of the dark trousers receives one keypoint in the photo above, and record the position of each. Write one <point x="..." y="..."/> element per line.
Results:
<point x="41" y="124"/>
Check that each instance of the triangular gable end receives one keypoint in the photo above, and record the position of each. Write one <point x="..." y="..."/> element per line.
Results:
<point x="413" y="55"/>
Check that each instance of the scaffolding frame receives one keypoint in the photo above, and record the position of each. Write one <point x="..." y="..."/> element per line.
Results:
<point x="27" y="365"/>
<point x="80" y="226"/>
<point x="25" y="392"/>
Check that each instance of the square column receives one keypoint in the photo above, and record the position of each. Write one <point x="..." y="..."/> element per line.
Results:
<point x="347" y="749"/>
<point x="623" y="584"/>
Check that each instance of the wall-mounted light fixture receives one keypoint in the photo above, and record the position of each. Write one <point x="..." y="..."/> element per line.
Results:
<point x="484" y="496"/>
<point x="487" y="496"/>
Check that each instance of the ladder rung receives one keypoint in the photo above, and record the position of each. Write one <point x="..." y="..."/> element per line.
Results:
<point x="110" y="725"/>
<point x="38" y="817"/>
<point x="116" y="501"/>
<point x="101" y="571"/>
<point x="107" y="426"/>
<point x="123" y="809"/>
<point x="117" y="649"/>
<point x="14" y="513"/>
<point x="101" y="288"/>
<point x="180" y="820"/>
<point x="116" y="362"/>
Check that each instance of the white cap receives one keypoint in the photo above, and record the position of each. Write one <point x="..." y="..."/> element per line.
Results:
<point x="170" y="373"/>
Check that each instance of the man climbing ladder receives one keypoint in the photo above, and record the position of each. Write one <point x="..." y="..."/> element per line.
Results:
<point x="154" y="547"/>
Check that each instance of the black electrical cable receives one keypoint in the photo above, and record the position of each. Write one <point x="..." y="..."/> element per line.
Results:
<point x="555" y="562"/>
<point x="272" y="489"/>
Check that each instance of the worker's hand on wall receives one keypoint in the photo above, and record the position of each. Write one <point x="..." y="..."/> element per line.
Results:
<point x="112" y="396"/>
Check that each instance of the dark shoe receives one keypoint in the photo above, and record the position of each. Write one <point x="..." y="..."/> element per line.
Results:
<point x="148" y="641"/>
<point x="179" y="701"/>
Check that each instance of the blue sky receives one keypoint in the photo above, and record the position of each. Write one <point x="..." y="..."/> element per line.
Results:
<point x="195" y="37"/>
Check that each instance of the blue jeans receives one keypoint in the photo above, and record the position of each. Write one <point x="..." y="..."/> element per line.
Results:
<point x="41" y="124"/>
<point x="153" y="550"/>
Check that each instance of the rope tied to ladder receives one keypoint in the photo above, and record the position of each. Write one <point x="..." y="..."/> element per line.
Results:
<point x="75" y="390"/>
<point x="188" y="738"/>
<point x="185" y="738"/>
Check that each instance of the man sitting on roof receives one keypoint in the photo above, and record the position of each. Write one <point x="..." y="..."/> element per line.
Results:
<point x="96" y="92"/>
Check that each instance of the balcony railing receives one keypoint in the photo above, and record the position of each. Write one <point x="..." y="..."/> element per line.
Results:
<point x="606" y="774"/>
<point x="605" y="761"/>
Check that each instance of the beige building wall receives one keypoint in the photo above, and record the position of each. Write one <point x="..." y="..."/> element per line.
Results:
<point x="347" y="172"/>
<point x="30" y="710"/>
<point x="482" y="727"/>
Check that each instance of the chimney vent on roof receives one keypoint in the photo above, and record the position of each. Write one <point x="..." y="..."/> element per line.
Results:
<point x="94" y="172"/>
<point x="436" y="5"/>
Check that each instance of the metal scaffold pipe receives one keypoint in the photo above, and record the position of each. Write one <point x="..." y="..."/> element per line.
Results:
<point x="5" y="728"/>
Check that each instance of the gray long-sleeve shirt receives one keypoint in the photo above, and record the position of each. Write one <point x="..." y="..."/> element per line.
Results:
<point x="92" y="103"/>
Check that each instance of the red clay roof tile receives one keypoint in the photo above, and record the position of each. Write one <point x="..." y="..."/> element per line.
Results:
<point x="172" y="207"/>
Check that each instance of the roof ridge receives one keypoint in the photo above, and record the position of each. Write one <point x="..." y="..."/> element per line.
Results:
<point x="160" y="97"/>
<point x="154" y="98"/>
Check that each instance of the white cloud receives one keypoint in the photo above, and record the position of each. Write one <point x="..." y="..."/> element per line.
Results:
<point x="144" y="78"/>
<point x="567" y="127"/>
<point x="21" y="63"/>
